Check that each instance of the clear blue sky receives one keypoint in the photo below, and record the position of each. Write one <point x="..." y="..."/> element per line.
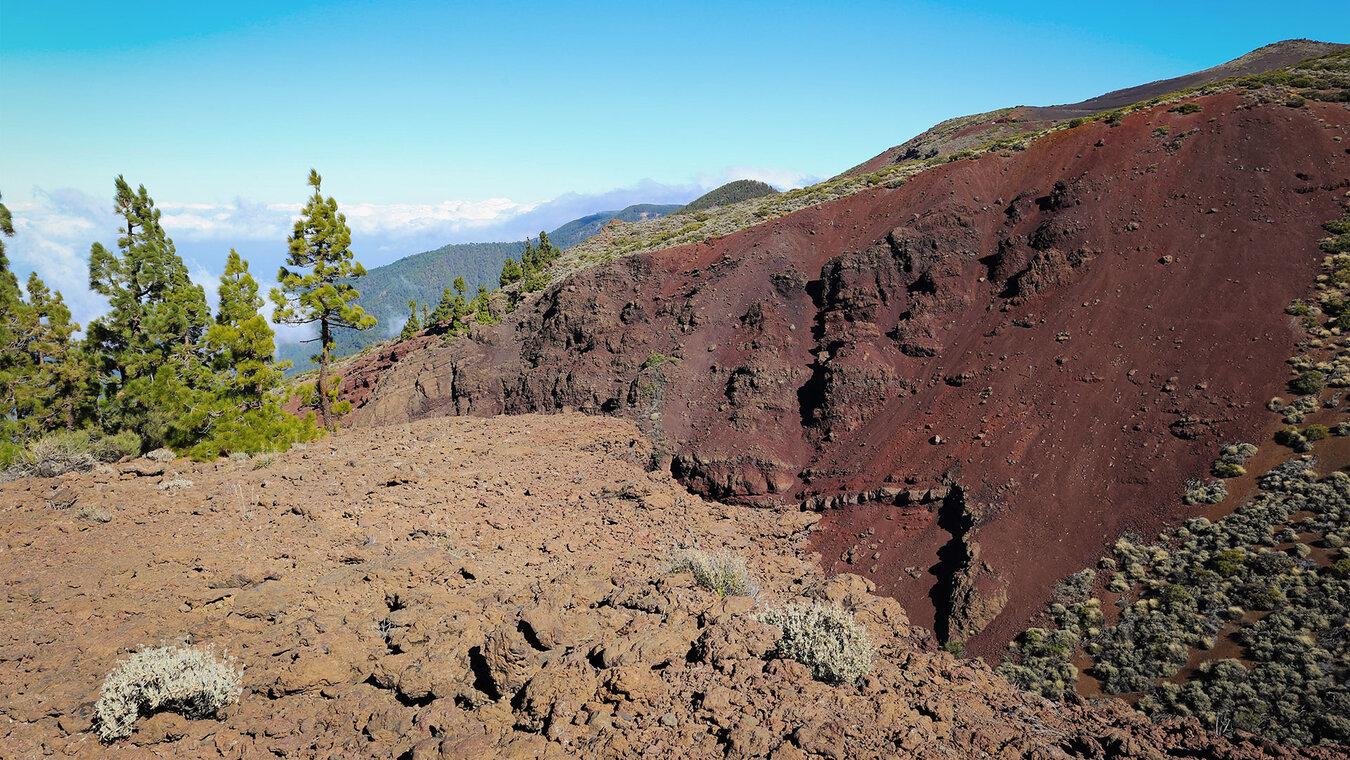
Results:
<point x="424" y="101"/>
<point x="406" y="105"/>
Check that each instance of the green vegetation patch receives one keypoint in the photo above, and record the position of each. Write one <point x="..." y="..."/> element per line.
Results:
<point x="1216" y="580"/>
<point x="1268" y="583"/>
<point x="731" y="192"/>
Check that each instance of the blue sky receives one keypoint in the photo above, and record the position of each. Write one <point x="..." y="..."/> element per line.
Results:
<point x="441" y="122"/>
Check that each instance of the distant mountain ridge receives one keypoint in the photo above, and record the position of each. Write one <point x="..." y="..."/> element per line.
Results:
<point x="423" y="277"/>
<point x="578" y="230"/>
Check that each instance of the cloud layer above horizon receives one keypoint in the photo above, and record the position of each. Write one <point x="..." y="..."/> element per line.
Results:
<point x="54" y="229"/>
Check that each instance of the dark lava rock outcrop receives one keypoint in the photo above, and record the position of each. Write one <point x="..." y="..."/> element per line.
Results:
<point x="990" y="370"/>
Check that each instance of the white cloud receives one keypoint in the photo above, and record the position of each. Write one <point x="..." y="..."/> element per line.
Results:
<point x="783" y="179"/>
<point x="409" y="220"/>
<point x="209" y="282"/>
<point x="243" y="220"/>
<point x="240" y="220"/>
<point x="52" y="235"/>
<point x="779" y="177"/>
<point x="55" y="229"/>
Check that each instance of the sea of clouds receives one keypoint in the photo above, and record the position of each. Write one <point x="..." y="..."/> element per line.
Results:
<point x="54" y="229"/>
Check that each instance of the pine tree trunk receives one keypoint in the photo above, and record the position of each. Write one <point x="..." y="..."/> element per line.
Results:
<point x="323" y="374"/>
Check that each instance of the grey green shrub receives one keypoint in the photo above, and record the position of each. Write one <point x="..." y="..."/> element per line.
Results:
<point x="1200" y="492"/>
<point x="190" y="682"/>
<point x="825" y="638"/>
<point x="721" y="572"/>
<point x="1198" y="587"/>
<point x="71" y="451"/>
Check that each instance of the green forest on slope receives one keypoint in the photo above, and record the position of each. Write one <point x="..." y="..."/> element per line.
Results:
<point x="731" y="192"/>
<point x="423" y="277"/>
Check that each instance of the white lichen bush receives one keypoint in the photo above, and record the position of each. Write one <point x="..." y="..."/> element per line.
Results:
<point x="190" y="682"/>
<point x="825" y="638"/>
<point x="721" y="572"/>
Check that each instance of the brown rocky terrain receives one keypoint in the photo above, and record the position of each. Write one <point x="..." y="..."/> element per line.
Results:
<point x="991" y="370"/>
<point x="464" y="588"/>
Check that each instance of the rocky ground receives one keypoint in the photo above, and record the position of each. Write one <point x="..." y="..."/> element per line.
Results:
<point x="466" y="588"/>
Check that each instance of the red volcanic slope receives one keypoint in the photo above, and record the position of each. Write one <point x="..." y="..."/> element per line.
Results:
<point x="1066" y="334"/>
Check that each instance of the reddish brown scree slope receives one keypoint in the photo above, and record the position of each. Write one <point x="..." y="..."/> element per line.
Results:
<point x="1066" y="333"/>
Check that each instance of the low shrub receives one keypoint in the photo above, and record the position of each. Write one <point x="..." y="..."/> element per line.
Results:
<point x="1307" y="383"/>
<point x="1340" y="569"/>
<point x="1229" y="465"/>
<point x="1077" y="586"/>
<point x="55" y="454"/>
<point x="721" y="572"/>
<point x="190" y="682"/>
<point x="1200" y="492"/>
<point x="114" y="448"/>
<point x="823" y="637"/>
<point x="1044" y="665"/>
<point x="93" y="514"/>
<point x="1289" y="436"/>
<point x="69" y="451"/>
<point x="161" y="455"/>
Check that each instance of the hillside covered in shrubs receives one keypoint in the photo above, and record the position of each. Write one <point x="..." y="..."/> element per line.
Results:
<point x="725" y="195"/>
<point x="1244" y="621"/>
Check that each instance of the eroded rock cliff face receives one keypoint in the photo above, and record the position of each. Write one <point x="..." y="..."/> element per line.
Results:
<point x="1066" y="333"/>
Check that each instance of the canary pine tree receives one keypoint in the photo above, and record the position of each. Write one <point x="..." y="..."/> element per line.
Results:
<point x="413" y="325"/>
<point x="42" y="375"/>
<point x="510" y="273"/>
<point x="481" y="305"/>
<point x="245" y="414"/>
<point x="13" y="360"/>
<point x="453" y="309"/>
<point x="241" y="342"/>
<point x="59" y="376"/>
<point x="146" y="354"/>
<point x="320" y="289"/>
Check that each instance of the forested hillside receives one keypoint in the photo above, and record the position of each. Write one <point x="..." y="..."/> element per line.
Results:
<point x="423" y="277"/>
<point x="731" y="192"/>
